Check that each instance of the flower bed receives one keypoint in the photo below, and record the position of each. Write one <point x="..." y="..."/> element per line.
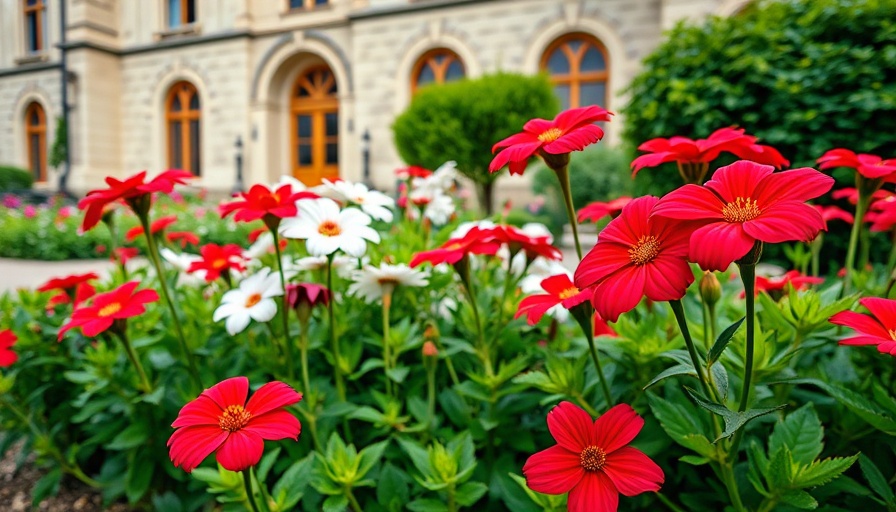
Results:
<point x="373" y="355"/>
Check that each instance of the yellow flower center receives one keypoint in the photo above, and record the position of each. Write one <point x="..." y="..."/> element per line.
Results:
<point x="593" y="458"/>
<point x="329" y="228"/>
<point x="572" y="291"/>
<point x="644" y="250"/>
<point x="741" y="210"/>
<point x="550" y="135"/>
<point x="219" y="263"/>
<point x="892" y="334"/>
<point x="110" y="309"/>
<point x="234" y="418"/>
<point x="253" y="299"/>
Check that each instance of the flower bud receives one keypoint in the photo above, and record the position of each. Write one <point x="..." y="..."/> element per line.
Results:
<point x="430" y="350"/>
<point x="710" y="289"/>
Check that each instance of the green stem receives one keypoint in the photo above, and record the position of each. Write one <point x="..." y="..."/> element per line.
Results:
<point x="484" y="350"/>
<point x="748" y="276"/>
<point x="563" y="176"/>
<point x="600" y="372"/>
<point x="353" y="502"/>
<point x="287" y="342"/>
<point x="129" y="350"/>
<point x="666" y="501"/>
<point x="387" y="349"/>
<point x="452" y="500"/>
<point x="303" y="351"/>
<point x="707" y="340"/>
<point x="163" y="286"/>
<point x="580" y="398"/>
<point x="334" y="340"/>
<point x="678" y="309"/>
<point x="731" y="485"/>
<point x="250" y="494"/>
<point x="431" y="392"/>
<point x="861" y="208"/>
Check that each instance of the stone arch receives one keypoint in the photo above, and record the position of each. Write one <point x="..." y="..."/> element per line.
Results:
<point x="158" y="140"/>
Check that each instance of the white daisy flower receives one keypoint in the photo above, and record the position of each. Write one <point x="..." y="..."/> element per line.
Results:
<point x="326" y="229"/>
<point x="372" y="202"/>
<point x="285" y="179"/>
<point x="252" y="300"/>
<point x="182" y="263"/>
<point x="436" y="206"/>
<point x="370" y="283"/>
<point x="263" y="245"/>
<point x="441" y="180"/>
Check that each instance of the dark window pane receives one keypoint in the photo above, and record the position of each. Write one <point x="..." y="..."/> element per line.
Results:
<point x="332" y="87"/>
<point x="303" y="93"/>
<point x="304" y="126"/>
<point x="174" y="142"/>
<point x="426" y="76"/>
<point x="321" y="2"/>
<point x="174" y="13"/>
<point x="31" y="32"/>
<point x="35" y="156"/>
<point x="562" y="92"/>
<point x="35" y="117"/>
<point x="593" y="60"/>
<point x="194" y="148"/>
<point x="191" y="10"/>
<point x="593" y="93"/>
<point x="332" y="153"/>
<point x="455" y="71"/>
<point x="439" y="59"/>
<point x="558" y="64"/>
<point x="175" y="103"/>
<point x="194" y="101"/>
<point x="332" y="124"/>
<point x="304" y="154"/>
<point x="296" y="4"/>
<point x="574" y="45"/>
<point x="32" y="2"/>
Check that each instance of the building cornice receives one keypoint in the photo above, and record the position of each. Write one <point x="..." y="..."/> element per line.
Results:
<point x="165" y="44"/>
<point x="416" y="6"/>
<point x="31" y="68"/>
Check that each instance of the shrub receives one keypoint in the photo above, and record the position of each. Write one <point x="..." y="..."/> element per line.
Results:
<point x="14" y="178"/>
<point x="460" y="120"/>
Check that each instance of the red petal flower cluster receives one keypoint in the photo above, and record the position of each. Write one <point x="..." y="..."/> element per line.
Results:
<point x="879" y="328"/>
<point x="221" y="421"/>
<point x="829" y="213"/>
<point x="517" y="241"/>
<point x="106" y="308"/>
<point x="869" y="166"/>
<point x="779" y="283"/>
<point x="156" y="226"/>
<point x="702" y="151"/>
<point x="598" y="210"/>
<point x="7" y="356"/>
<point x="637" y="255"/>
<point x="571" y="130"/>
<point x="476" y="241"/>
<point x="260" y="202"/>
<point x="182" y="237"/>
<point x="560" y="290"/>
<point x="217" y="259"/>
<point x="67" y="283"/>
<point x="128" y="190"/>
<point x="746" y="202"/>
<point x="592" y="460"/>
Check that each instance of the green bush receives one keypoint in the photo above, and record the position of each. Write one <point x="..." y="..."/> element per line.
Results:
<point x="803" y="75"/>
<point x="14" y="178"/>
<point x="461" y="120"/>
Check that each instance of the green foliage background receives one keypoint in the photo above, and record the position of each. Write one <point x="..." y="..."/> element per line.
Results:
<point x="14" y="178"/>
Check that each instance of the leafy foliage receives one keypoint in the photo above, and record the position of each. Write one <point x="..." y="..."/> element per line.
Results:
<point x="14" y="178"/>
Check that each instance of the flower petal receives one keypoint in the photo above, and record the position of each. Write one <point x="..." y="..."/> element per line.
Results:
<point x="632" y="472"/>
<point x="740" y="179"/>
<point x="616" y="428"/>
<point x="202" y="411"/>
<point x="716" y="246"/>
<point x="600" y="263"/>
<point x="553" y="471"/>
<point x="275" y="425"/>
<point x="784" y="222"/>
<point x="571" y="426"/>
<point x="595" y="493"/>
<point x="794" y="185"/>
<point x="240" y="450"/>
<point x="667" y="278"/>
<point x="882" y="309"/>
<point x="271" y="396"/>
<point x="228" y="392"/>
<point x="619" y="293"/>
<point x="189" y="446"/>
<point x="689" y="202"/>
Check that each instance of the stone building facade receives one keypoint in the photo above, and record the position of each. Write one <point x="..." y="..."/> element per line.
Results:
<point x="307" y="86"/>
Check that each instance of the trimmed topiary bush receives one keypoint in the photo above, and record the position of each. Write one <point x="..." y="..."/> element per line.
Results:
<point x="14" y="178"/>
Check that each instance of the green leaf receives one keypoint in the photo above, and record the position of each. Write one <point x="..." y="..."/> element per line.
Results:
<point x="801" y="433"/>
<point x="861" y="406"/>
<point x="47" y="486"/>
<point x="132" y="436"/>
<point x="680" y="426"/>
<point x="734" y="421"/>
<point x="370" y="456"/>
<point x="337" y="503"/>
<point x="264" y="466"/>
<point x="694" y="460"/>
<point x="392" y="488"/>
<point x="138" y="478"/>
<point x="780" y="470"/>
<point x="291" y="486"/>
<point x="799" y="499"/>
<point x="368" y="414"/>
<point x="823" y="471"/>
<point x="876" y="479"/>
<point x="679" y="369"/>
<point x="398" y="374"/>
<point x="470" y="492"/>
<point x="208" y="475"/>
<point x="427" y="505"/>
<point x="419" y="456"/>
<point x="721" y="342"/>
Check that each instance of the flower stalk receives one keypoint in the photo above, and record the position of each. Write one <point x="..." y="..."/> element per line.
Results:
<point x="678" y="310"/>
<point x="287" y="341"/>
<point x="861" y="208"/>
<point x="387" y="352"/>
<point x="748" y="276"/>
<point x="334" y="339"/>
<point x="563" y="176"/>
<point x="250" y="493"/>
<point x="120" y="330"/>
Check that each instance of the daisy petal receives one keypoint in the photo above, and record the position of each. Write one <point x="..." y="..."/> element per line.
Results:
<point x="571" y="426"/>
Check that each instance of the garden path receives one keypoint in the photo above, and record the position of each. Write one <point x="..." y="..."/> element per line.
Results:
<point x="15" y="274"/>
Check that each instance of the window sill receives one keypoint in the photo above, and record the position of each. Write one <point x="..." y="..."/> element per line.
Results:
<point x="306" y="10"/>
<point x="193" y="29"/>
<point x="33" y="58"/>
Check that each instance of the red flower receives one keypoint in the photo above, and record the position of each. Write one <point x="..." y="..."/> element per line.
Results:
<point x="217" y="259"/>
<point x="592" y="461"/>
<point x="155" y="227"/>
<point x="703" y="151"/>
<point x="601" y="327"/>
<point x="883" y="216"/>
<point x="67" y="283"/>
<point x="869" y="166"/>
<point x="829" y="213"/>
<point x="221" y="421"/>
<point x="598" y="210"/>
<point x="82" y="292"/>
<point x="851" y="194"/>
<point x="128" y="190"/>
<point x="636" y="255"/>
<point x="879" y="328"/>
<point x="476" y="241"/>
<point x="517" y="241"/>
<point x="744" y="203"/>
<point x="560" y="291"/>
<point x="412" y="171"/>
<point x="106" y="308"/>
<point x="307" y="295"/>
<point x="571" y="130"/>
<point x="124" y="254"/>
<point x="780" y="283"/>
<point x="182" y="237"/>
<point x="261" y="202"/>
<point x="7" y="356"/>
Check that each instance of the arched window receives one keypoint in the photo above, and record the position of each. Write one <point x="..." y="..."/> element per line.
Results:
<point x="314" y="129"/>
<point x="578" y="66"/>
<point x="183" y="119"/>
<point x="436" y="66"/>
<point x="35" y="24"/>
<point x="181" y="12"/>
<point x="36" y="140"/>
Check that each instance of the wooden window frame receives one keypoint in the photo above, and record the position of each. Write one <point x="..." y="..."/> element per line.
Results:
<point x="317" y="106"/>
<point x="39" y="10"/>
<point x="183" y="14"/>
<point x="40" y="129"/>
<point x="185" y="90"/>
<point x="575" y="78"/>
<point x="438" y="70"/>
<point x="307" y="5"/>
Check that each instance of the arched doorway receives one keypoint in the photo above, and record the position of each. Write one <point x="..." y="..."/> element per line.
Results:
<point x="36" y="140"/>
<point x="314" y="139"/>
<point x="183" y="117"/>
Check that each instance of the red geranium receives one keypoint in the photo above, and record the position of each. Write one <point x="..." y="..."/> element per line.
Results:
<point x="592" y="460"/>
<point x="560" y="290"/>
<point x="517" y="241"/>
<point x="476" y="241"/>
<point x="106" y="308"/>
<point x="260" y="202"/>
<point x="218" y="259"/>
<point x="124" y="254"/>
<point x="182" y="237"/>
<point x="130" y="191"/>
<point x="869" y="166"/>
<point x="636" y="255"/>
<point x="82" y="292"/>
<point x="571" y="130"/>
<point x="879" y="328"/>
<point x="777" y="284"/>
<point x="598" y="210"/>
<point x="155" y="227"/>
<point x="221" y="421"/>
<point x="744" y="203"/>
<point x="67" y="283"/>
<point x="7" y="356"/>
<point x="829" y="213"/>
<point x="699" y="153"/>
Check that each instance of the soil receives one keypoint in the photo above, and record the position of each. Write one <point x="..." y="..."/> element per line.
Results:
<point x="15" y="490"/>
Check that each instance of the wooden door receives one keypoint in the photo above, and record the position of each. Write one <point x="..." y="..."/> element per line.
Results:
<point x="314" y="126"/>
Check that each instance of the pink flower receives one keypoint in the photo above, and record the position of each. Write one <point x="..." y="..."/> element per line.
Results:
<point x="869" y="166"/>
<point x="598" y="210"/>
<point x="877" y="329"/>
